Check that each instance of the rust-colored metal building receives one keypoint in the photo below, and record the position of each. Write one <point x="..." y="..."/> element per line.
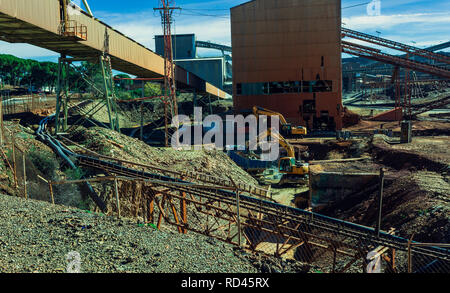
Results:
<point x="287" y="58"/>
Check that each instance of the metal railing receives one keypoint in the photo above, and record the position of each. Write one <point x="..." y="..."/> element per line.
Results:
<point x="71" y="29"/>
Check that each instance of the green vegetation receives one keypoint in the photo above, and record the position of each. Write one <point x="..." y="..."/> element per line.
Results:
<point x="129" y="89"/>
<point x="44" y="161"/>
<point x="74" y="174"/>
<point x="16" y="71"/>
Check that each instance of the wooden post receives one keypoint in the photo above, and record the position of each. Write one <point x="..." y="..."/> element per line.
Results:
<point x="116" y="192"/>
<point x="380" y="202"/>
<point x="14" y="159"/>
<point x="183" y="211"/>
<point x="1" y="120"/>
<point x="334" y="259"/>
<point x="161" y="211"/>
<point x="151" y="211"/>
<point x="238" y="218"/>
<point x="50" y="187"/>
<point x="24" y="176"/>
<point x="393" y="265"/>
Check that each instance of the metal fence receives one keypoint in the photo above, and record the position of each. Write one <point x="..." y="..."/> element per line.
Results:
<point x="21" y="104"/>
<point x="14" y="158"/>
<point x="232" y="216"/>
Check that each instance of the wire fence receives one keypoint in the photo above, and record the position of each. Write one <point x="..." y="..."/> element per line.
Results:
<point x="12" y="104"/>
<point x="14" y="159"/>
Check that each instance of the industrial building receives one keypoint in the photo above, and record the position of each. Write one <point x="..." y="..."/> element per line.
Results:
<point x="287" y="58"/>
<point x="216" y="70"/>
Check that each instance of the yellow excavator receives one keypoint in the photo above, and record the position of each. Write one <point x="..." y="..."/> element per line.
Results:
<point x="294" y="171"/>
<point x="287" y="129"/>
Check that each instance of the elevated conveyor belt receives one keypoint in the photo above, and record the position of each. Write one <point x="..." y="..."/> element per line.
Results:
<point x="377" y="55"/>
<point x="37" y="22"/>
<point x="411" y="50"/>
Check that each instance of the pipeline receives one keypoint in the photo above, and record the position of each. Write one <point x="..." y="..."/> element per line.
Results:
<point x="62" y="152"/>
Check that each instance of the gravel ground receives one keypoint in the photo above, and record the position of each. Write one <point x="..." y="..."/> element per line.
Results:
<point x="36" y="236"/>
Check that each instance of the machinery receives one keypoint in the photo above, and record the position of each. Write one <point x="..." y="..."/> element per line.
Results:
<point x="294" y="171"/>
<point x="287" y="129"/>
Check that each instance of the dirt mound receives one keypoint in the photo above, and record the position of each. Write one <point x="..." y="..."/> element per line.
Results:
<point x="413" y="203"/>
<point x="428" y="154"/>
<point x="111" y="143"/>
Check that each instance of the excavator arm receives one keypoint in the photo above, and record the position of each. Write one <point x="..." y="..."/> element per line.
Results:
<point x="294" y="171"/>
<point x="286" y="127"/>
<point x="261" y="111"/>
<point x="274" y="134"/>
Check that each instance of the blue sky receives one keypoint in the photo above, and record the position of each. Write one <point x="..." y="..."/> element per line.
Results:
<point x="420" y="23"/>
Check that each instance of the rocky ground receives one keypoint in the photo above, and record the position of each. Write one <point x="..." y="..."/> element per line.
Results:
<point x="36" y="236"/>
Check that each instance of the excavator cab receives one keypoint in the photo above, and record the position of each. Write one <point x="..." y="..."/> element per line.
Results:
<point x="286" y="164"/>
<point x="294" y="172"/>
<point x="290" y="130"/>
<point x="290" y="165"/>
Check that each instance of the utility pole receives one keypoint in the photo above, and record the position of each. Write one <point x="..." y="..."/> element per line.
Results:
<point x="170" y="98"/>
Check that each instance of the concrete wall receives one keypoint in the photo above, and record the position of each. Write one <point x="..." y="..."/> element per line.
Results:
<point x="278" y="41"/>
<point x="329" y="187"/>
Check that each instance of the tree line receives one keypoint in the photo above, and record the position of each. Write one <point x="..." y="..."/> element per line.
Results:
<point x="18" y="72"/>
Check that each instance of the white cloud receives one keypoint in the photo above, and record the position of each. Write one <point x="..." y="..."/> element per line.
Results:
<point x="389" y="21"/>
<point x="143" y="30"/>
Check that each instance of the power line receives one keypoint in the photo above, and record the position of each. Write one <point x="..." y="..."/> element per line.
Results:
<point x="203" y="14"/>
<point x="196" y="12"/>
<point x="207" y="9"/>
<point x="356" y="5"/>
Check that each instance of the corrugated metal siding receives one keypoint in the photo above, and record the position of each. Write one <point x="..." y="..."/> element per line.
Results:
<point x="27" y="10"/>
<point x="276" y="41"/>
<point x="119" y="45"/>
<point x="184" y="46"/>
